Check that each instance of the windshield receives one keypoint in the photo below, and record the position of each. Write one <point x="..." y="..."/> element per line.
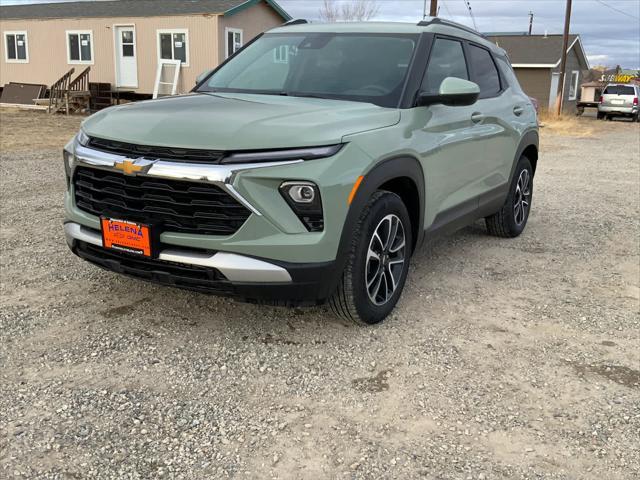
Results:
<point x="359" y="67"/>
<point x="618" y="90"/>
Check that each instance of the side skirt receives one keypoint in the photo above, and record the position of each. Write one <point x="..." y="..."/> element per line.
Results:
<point x="460" y="216"/>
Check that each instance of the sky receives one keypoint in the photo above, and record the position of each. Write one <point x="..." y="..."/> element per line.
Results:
<point x="610" y="29"/>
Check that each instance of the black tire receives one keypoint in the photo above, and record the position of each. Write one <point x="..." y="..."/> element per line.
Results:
<point x="509" y="222"/>
<point x="636" y="118"/>
<point x="600" y="116"/>
<point x="351" y="299"/>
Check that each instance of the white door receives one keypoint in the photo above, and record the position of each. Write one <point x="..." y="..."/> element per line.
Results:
<point x="553" y="91"/>
<point x="126" y="63"/>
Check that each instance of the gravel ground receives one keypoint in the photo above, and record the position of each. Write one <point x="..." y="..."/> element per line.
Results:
<point x="505" y="359"/>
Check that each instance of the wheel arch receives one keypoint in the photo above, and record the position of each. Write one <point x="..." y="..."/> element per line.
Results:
<point x="401" y="175"/>
<point x="528" y="147"/>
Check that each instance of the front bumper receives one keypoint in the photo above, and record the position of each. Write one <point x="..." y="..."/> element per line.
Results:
<point x="219" y="273"/>
<point x="271" y="257"/>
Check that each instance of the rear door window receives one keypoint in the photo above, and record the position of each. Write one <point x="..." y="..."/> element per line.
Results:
<point x="485" y="73"/>
<point x="619" y="90"/>
<point x="446" y="60"/>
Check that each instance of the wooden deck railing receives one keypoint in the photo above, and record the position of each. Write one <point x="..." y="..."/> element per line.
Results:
<point x="59" y="89"/>
<point x="81" y="82"/>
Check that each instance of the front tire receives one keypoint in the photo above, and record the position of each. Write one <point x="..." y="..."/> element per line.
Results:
<point x="510" y="220"/>
<point x="378" y="261"/>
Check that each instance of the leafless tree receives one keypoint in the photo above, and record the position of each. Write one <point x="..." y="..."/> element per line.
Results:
<point x="348" y="11"/>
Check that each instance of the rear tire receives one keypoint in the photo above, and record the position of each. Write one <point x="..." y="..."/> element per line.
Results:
<point x="510" y="220"/>
<point x="600" y="116"/>
<point x="378" y="261"/>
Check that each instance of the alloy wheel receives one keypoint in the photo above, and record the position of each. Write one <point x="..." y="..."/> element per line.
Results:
<point x="522" y="199"/>
<point x="385" y="259"/>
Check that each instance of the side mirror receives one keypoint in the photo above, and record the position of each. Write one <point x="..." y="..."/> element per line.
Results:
<point x="203" y="75"/>
<point x="453" y="92"/>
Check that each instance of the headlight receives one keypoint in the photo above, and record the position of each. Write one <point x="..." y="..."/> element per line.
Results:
<point x="82" y="138"/>
<point x="304" y="199"/>
<point x="282" y="155"/>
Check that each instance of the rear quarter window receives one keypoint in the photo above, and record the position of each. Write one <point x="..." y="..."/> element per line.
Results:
<point x="485" y="73"/>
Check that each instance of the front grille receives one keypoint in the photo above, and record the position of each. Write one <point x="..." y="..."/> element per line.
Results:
<point x="173" y="205"/>
<point x="155" y="152"/>
<point x="193" y="277"/>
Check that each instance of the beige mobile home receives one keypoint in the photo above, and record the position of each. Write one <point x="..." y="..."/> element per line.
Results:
<point x="123" y="41"/>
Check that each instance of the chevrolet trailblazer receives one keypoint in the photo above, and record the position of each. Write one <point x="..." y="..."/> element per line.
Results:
<point x="309" y="166"/>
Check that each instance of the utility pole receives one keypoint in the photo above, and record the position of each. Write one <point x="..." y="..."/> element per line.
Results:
<point x="434" y="8"/>
<point x="530" y="21"/>
<point x="563" y="62"/>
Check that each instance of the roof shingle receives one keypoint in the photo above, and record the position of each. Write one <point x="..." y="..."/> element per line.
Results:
<point x="126" y="8"/>
<point x="532" y="49"/>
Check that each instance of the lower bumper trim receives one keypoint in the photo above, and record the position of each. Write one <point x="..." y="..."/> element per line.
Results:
<point x="236" y="268"/>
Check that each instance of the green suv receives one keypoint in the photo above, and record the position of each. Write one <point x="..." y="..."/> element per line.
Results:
<point x="309" y="166"/>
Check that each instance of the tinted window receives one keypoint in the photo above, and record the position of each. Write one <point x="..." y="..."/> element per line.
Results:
<point x="85" y="47"/>
<point x="180" y="47"/>
<point x="165" y="46"/>
<point x="484" y="71"/>
<point x="446" y="60"/>
<point x="74" y="47"/>
<point x="11" y="47"/>
<point x="359" y="67"/>
<point x="21" y="43"/>
<point x="619" y="90"/>
<point x="507" y="73"/>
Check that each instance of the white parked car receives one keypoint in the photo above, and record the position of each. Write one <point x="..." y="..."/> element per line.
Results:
<point x="619" y="101"/>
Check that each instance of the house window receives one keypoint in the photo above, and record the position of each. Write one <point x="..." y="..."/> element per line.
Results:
<point x="233" y="40"/>
<point x="80" y="47"/>
<point x="573" y="86"/>
<point x="15" y="44"/>
<point x="173" y="45"/>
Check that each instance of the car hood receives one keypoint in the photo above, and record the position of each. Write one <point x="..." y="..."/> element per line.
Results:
<point x="237" y="121"/>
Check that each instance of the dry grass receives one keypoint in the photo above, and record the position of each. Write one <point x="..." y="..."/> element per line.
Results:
<point x="565" y="124"/>
<point x="22" y="130"/>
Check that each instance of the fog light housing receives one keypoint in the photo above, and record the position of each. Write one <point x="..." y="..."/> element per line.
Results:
<point x="301" y="193"/>
<point x="304" y="199"/>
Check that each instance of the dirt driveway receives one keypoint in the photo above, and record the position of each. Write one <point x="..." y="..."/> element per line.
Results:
<point x="504" y="359"/>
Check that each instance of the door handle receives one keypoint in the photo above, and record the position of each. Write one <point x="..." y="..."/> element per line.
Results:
<point x="477" y="117"/>
<point x="517" y="110"/>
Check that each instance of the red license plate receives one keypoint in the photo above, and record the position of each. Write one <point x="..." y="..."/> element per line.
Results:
<point x="126" y="236"/>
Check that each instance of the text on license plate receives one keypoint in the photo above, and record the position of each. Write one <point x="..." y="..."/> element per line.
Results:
<point x="126" y="236"/>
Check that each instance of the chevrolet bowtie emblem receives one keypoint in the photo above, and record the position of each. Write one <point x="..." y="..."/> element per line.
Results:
<point x="131" y="167"/>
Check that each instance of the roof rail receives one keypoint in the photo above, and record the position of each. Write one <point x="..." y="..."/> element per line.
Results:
<point x="297" y="21"/>
<point x="448" y="23"/>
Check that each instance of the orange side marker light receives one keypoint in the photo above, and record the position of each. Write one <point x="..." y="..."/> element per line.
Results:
<point x="355" y="189"/>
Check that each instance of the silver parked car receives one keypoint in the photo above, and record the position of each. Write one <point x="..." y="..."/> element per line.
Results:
<point x="619" y="101"/>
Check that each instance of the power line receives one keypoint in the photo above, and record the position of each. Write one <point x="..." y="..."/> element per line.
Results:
<point x="444" y="3"/>
<point x="466" y="2"/>
<point x="617" y="10"/>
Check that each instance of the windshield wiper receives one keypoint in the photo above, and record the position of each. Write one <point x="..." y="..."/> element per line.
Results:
<point x="307" y="95"/>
